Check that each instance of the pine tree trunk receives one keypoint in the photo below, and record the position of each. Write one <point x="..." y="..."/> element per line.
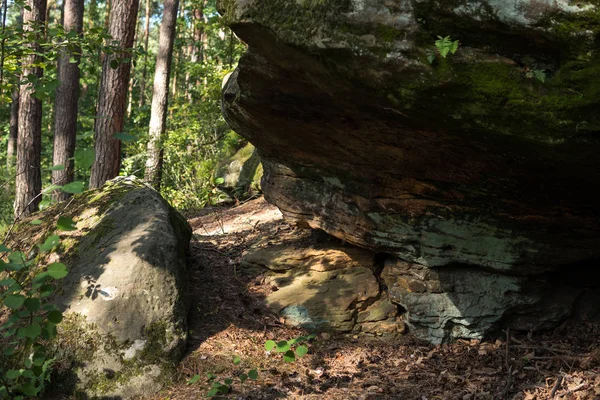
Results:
<point x="67" y="96"/>
<point x="29" y="138"/>
<point x="160" y="94"/>
<point x="11" y="150"/>
<point x="145" y="69"/>
<point x="112" y="95"/>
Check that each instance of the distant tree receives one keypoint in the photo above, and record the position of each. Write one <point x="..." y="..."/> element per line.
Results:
<point x="112" y="96"/>
<point x="160" y="93"/>
<point x="145" y="62"/>
<point x="29" y="178"/>
<point x="66" y="103"/>
<point x="11" y="149"/>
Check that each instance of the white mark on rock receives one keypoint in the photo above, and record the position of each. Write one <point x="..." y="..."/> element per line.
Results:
<point x="108" y="293"/>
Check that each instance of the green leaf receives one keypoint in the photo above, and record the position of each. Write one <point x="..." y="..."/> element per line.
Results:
<point x="220" y="181"/>
<point x="32" y="331"/>
<point x="14" y="301"/>
<point x="73" y="187"/>
<point x="282" y="346"/>
<point x="301" y="351"/>
<point x="51" y="189"/>
<point x="7" y="282"/>
<point x="236" y="360"/>
<point x="39" y="359"/>
<point x="224" y="389"/>
<point x="430" y="58"/>
<point x="32" y="304"/>
<point x="84" y="158"/>
<point x="210" y="376"/>
<point x="65" y="224"/>
<point x="55" y="317"/>
<point x="193" y="379"/>
<point x="243" y="377"/>
<point x="50" y="243"/>
<point x="212" y="392"/>
<point x="36" y="222"/>
<point x="46" y="290"/>
<point x="228" y="381"/>
<point x="12" y="374"/>
<point x="253" y="374"/>
<point x="57" y="168"/>
<point x="57" y="270"/>
<point x="124" y="137"/>
<point x="30" y="389"/>
<point x="50" y="331"/>
<point x="270" y="345"/>
<point x="114" y="64"/>
<point x="3" y="248"/>
<point x="289" y="356"/>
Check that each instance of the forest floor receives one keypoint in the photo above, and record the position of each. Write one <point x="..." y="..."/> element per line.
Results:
<point x="228" y="319"/>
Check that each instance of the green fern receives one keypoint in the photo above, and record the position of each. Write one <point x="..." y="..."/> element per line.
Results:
<point x="445" y="46"/>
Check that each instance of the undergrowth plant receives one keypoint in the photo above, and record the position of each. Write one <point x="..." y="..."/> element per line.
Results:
<point x="221" y="388"/>
<point x="444" y="46"/>
<point x="25" y="290"/>
<point x="290" y="348"/>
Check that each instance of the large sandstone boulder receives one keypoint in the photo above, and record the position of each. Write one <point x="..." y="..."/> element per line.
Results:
<point x="486" y="158"/>
<point x="124" y="299"/>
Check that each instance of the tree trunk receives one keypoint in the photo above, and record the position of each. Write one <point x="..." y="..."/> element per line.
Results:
<point x="29" y="140"/>
<point x="67" y="96"/>
<point x="145" y="69"/>
<point x="11" y="150"/>
<point x="112" y="95"/>
<point x="160" y="94"/>
<point x="107" y="15"/>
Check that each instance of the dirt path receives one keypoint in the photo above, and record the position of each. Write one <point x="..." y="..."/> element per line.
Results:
<point x="228" y="319"/>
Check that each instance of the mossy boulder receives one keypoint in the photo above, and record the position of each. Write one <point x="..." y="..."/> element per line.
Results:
<point x="484" y="158"/>
<point x="124" y="299"/>
<point x="241" y="173"/>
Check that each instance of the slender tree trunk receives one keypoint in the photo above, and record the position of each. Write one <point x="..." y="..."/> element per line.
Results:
<point x="107" y="15"/>
<point x="29" y="140"/>
<point x="11" y="150"/>
<point x="160" y="94"/>
<point x="145" y="69"/>
<point x="92" y="13"/>
<point x="112" y="95"/>
<point x="66" y="103"/>
<point x="132" y="77"/>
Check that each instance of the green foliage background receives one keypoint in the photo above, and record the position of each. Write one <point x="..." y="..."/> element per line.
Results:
<point x="197" y="134"/>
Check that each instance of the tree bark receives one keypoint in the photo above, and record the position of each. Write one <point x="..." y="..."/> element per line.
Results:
<point x="66" y="103"/>
<point x="112" y="95"/>
<point x="160" y="94"/>
<point x="145" y="69"/>
<point x="11" y="150"/>
<point x="29" y="137"/>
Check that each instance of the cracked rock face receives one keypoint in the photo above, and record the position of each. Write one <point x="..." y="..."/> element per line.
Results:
<point x="486" y="158"/>
<point x="325" y="287"/>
